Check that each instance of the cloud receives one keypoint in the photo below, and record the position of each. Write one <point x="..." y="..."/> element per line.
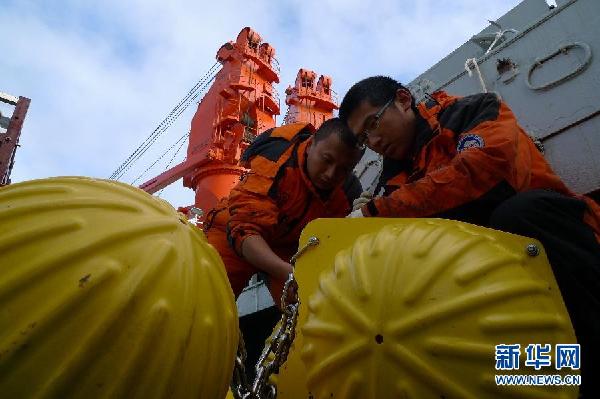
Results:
<point x="102" y="75"/>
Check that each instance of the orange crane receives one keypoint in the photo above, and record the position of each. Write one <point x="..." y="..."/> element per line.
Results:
<point x="240" y="104"/>
<point x="309" y="102"/>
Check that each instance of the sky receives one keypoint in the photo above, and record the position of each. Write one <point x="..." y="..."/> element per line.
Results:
<point x="103" y="74"/>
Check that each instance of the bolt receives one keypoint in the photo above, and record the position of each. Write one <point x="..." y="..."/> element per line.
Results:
<point x="532" y="250"/>
<point x="313" y="240"/>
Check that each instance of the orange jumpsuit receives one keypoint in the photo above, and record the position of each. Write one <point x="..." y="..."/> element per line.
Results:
<point x="467" y="149"/>
<point x="275" y="200"/>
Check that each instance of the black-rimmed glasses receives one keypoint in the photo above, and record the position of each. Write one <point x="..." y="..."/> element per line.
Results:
<point x="362" y="138"/>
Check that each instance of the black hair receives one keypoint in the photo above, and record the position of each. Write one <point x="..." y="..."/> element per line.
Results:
<point x="377" y="90"/>
<point x="337" y="126"/>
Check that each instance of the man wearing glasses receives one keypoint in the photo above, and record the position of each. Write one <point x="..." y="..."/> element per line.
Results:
<point x="468" y="159"/>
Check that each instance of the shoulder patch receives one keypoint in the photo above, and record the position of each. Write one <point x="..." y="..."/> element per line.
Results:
<point x="469" y="141"/>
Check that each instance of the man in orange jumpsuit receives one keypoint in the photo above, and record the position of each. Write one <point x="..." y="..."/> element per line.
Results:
<point x="468" y="159"/>
<point x="296" y="175"/>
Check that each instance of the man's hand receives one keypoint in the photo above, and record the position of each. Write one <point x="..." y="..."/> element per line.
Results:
<point x="260" y="255"/>
<point x="356" y="214"/>
<point x="362" y="200"/>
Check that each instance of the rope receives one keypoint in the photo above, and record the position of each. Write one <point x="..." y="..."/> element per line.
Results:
<point x="159" y="158"/>
<point x="148" y="144"/>
<point x="169" y="165"/>
<point x="164" y="125"/>
<point x="196" y="90"/>
<point x="512" y="40"/>
<point x="499" y="35"/>
<point x="470" y="64"/>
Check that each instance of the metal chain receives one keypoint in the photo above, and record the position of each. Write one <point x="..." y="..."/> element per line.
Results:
<point x="276" y="351"/>
<point x="239" y="380"/>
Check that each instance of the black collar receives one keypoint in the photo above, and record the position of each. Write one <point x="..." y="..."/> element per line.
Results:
<point x="423" y="134"/>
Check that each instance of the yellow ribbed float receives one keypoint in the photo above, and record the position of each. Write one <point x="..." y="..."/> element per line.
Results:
<point x="106" y="291"/>
<point x="413" y="308"/>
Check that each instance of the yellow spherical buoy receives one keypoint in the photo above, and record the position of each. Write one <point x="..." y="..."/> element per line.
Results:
<point x="106" y="291"/>
<point x="414" y="308"/>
